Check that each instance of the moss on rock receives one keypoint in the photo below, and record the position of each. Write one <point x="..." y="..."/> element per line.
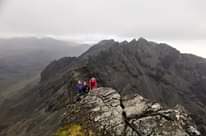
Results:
<point x="74" y="130"/>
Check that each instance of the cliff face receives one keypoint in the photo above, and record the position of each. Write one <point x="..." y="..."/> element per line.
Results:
<point x="155" y="71"/>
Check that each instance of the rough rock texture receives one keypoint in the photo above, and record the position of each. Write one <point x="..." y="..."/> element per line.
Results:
<point x="132" y="116"/>
<point x="106" y="103"/>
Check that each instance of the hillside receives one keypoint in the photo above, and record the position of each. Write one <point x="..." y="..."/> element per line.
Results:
<point x="22" y="59"/>
<point x="105" y="112"/>
<point x="155" y="71"/>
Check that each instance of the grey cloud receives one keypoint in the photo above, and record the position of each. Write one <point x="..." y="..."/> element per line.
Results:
<point x="2" y="3"/>
<point x="161" y="19"/>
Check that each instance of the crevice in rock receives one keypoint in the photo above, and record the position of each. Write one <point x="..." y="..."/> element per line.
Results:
<point x="126" y="121"/>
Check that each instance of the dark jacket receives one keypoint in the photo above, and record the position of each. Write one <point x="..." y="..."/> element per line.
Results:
<point x="85" y="88"/>
<point x="79" y="88"/>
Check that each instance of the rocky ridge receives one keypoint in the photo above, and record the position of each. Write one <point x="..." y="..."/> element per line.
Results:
<point x="112" y="114"/>
<point x="155" y="71"/>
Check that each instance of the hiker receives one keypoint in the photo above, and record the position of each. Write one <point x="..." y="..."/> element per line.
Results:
<point x="79" y="87"/>
<point x="92" y="83"/>
<point x="85" y="87"/>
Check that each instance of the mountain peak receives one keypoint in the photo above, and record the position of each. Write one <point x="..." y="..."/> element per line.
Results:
<point x="99" y="47"/>
<point x="142" y="41"/>
<point x="109" y="41"/>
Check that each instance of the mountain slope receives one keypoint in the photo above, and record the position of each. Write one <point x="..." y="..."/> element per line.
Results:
<point x="106" y="112"/>
<point x="22" y="59"/>
<point x="155" y="71"/>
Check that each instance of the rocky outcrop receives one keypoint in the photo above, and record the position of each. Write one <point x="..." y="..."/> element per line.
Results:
<point x="130" y="116"/>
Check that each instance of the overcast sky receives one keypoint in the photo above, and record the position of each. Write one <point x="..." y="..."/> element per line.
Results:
<point x="180" y="23"/>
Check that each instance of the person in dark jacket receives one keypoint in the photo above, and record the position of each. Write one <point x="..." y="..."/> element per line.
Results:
<point x="85" y="87"/>
<point x="79" y="87"/>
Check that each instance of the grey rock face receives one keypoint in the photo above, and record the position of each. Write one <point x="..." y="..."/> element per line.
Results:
<point x="105" y="103"/>
<point x="135" y="116"/>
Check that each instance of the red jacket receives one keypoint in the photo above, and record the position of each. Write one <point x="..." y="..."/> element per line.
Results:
<point x="92" y="84"/>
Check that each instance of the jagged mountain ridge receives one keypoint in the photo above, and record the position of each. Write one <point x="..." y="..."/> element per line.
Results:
<point x="155" y="71"/>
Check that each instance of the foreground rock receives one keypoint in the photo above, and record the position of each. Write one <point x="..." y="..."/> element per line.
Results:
<point x="105" y="112"/>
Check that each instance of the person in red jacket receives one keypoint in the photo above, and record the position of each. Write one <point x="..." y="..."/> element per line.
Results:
<point x="92" y="83"/>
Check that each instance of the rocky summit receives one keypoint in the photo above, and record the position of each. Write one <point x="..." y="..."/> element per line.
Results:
<point x="144" y="74"/>
<point x="108" y="113"/>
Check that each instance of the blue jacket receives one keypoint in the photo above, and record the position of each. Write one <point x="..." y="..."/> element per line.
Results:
<point x="79" y="88"/>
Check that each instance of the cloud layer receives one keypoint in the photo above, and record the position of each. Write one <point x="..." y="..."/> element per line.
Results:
<point x="159" y="20"/>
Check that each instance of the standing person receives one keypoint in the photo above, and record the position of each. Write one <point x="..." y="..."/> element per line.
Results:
<point x="85" y="87"/>
<point x="79" y="87"/>
<point x="92" y="83"/>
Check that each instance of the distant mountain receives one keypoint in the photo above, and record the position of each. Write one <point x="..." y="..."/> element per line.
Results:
<point x="156" y="71"/>
<point x="22" y="59"/>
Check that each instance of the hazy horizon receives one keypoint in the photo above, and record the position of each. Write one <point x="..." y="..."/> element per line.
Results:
<point x="184" y="48"/>
<point x="179" y="23"/>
